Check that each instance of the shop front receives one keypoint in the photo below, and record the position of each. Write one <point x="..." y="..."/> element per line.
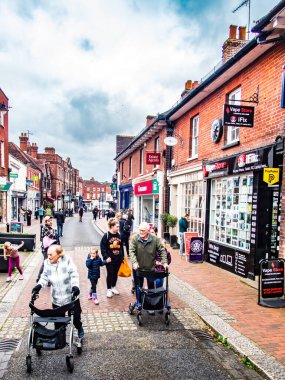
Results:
<point x="18" y="200"/>
<point x="148" y="202"/>
<point x="126" y="196"/>
<point x="242" y="210"/>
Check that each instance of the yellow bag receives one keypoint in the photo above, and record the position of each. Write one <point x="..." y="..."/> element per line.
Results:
<point x="125" y="270"/>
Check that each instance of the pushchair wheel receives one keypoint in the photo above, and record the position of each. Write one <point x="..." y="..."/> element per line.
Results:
<point x="139" y="316"/>
<point x="167" y="318"/>
<point x="131" y="309"/>
<point x="70" y="363"/>
<point x="39" y="352"/>
<point x="29" y="363"/>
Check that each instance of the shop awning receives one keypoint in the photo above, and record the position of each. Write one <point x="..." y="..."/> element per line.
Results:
<point x="51" y="199"/>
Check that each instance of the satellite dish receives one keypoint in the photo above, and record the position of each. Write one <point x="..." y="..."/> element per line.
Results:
<point x="170" y="141"/>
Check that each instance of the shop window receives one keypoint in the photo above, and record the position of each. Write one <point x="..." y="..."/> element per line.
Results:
<point x="141" y="161"/>
<point x="193" y="204"/>
<point x="232" y="134"/>
<point x="130" y="166"/>
<point x="230" y="210"/>
<point x="194" y="133"/>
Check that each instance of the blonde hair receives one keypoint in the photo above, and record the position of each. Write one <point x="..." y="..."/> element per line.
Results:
<point x="5" y="246"/>
<point x="57" y="248"/>
<point x="94" y="250"/>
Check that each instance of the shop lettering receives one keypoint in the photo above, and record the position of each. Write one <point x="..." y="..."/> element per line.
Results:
<point x="142" y="188"/>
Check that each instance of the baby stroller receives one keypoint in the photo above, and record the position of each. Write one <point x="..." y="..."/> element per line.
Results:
<point x="151" y="299"/>
<point x="43" y="338"/>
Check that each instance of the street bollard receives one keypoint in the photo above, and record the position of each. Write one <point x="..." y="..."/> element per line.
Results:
<point x="7" y="227"/>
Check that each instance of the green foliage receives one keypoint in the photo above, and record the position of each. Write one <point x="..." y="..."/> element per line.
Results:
<point x="50" y="205"/>
<point x="247" y="362"/>
<point x="172" y="221"/>
<point x="164" y="218"/>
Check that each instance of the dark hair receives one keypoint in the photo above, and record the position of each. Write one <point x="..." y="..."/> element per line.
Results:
<point x="112" y="222"/>
<point x="155" y="229"/>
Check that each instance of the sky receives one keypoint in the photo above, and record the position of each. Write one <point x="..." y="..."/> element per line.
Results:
<point x="79" y="72"/>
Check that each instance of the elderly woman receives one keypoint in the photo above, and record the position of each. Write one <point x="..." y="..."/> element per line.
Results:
<point x="61" y="273"/>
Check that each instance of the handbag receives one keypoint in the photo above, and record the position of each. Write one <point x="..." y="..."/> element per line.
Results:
<point x="125" y="270"/>
<point x="47" y="241"/>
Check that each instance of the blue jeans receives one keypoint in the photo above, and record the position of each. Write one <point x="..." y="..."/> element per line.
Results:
<point x="59" y="229"/>
<point x="181" y="247"/>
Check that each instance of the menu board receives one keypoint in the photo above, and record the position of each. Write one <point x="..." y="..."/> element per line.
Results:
<point x="16" y="227"/>
<point x="272" y="279"/>
<point x="196" y="250"/>
<point x="187" y="240"/>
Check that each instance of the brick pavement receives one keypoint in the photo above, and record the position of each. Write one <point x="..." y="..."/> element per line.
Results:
<point x="237" y="298"/>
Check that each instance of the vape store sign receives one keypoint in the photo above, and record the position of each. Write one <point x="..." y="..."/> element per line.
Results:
<point x="272" y="279"/>
<point x="238" y="116"/>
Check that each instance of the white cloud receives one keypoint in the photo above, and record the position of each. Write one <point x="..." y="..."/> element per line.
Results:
<point x="136" y="55"/>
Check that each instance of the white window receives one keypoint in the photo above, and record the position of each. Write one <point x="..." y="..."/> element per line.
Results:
<point x="193" y="204"/>
<point x="2" y="155"/>
<point x="156" y="148"/>
<point x="194" y="136"/>
<point x="141" y="161"/>
<point x="233" y="132"/>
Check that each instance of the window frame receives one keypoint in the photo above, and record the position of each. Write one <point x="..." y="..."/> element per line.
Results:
<point x="234" y="98"/>
<point x="194" y="137"/>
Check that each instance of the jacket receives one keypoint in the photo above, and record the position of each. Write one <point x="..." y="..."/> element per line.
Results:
<point x="183" y="225"/>
<point x="63" y="276"/>
<point x="111" y="246"/>
<point x="144" y="252"/>
<point x="93" y="266"/>
<point x="124" y="234"/>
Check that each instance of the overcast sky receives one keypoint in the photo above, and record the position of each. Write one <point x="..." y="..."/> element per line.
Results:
<point x="79" y="72"/>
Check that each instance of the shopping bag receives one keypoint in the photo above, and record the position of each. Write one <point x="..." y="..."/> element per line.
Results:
<point x="47" y="241"/>
<point x="125" y="270"/>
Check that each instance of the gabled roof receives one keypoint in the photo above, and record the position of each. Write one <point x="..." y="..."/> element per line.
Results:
<point x="23" y="156"/>
<point x="264" y="22"/>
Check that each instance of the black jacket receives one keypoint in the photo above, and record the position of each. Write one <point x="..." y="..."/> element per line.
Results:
<point x="111" y="246"/>
<point x="93" y="266"/>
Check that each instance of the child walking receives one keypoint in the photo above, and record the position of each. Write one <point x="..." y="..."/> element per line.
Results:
<point x="93" y="263"/>
<point x="14" y="258"/>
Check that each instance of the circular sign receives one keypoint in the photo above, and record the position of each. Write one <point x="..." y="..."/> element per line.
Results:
<point x="216" y="130"/>
<point x="170" y="141"/>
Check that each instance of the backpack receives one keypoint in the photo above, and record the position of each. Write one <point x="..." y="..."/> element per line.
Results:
<point x="126" y="227"/>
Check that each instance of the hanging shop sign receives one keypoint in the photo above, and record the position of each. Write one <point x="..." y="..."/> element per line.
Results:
<point x="14" y="175"/>
<point x="113" y="186"/>
<point x="216" y="169"/>
<point x="147" y="187"/>
<point x="5" y="187"/>
<point x="152" y="158"/>
<point x="271" y="283"/>
<point x="16" y="227"/>
<point x="238" y="116"/>
<point x="29" y="183"/>
<point x="271" y="175"/>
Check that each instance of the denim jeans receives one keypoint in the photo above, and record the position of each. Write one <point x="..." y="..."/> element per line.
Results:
<point x="59" y="229"/>
<point x="181" y="247"/>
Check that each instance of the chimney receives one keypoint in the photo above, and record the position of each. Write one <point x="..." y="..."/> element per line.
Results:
<point x="149" y="120"/>
<point x="232" y="45"/>
<point x="49" y="150"/>
<point x="195" y="84"/>
<point x="189" y="86"/>
<point x="34" y="150"/>
<point x="24" y="140"/>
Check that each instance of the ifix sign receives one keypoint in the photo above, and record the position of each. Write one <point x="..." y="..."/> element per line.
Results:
<point x="238" y="116"/>
<point x="152" y="158"/>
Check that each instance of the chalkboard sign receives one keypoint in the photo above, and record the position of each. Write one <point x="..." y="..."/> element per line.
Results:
<point x="16" y="227"/>
<point x="271" y="283"/>
<point x="196" y="250"/>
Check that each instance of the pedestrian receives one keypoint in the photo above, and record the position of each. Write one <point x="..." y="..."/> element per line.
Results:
<point x="37" y="213"/>
<point x="111" y="246"/>
<point x="158" y="266"/>
<point x="12" y="252"/>
<point x="48" y="237"/>
<point x="41" y="213"/>
<point x="110" y="214"/>
<point x="93" y="263"/>
<point x="29" y="217"/>
<point x="22" y="213"/>
<point x="60" y="219"/>
<point x="80" y="212"/>
<point x="183" y="227"/>
<point x="125" y="232"/>
<point x="95" y="212"/>
<point x="61" y="273"/>
<point x="143" y="251"/>
<point x="130" y="218"/>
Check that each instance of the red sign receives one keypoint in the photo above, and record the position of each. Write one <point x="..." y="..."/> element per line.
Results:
<point x="143" y="188"/>
<point x="214" y="167"/>
<point x="187" y="240"/>
<point x="152" y="158"/>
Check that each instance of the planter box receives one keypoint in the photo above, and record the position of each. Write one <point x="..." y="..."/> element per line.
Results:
<point x="16" y="238"/>
<point x="166" y="237"/>
<point x="173" y="242"/>
<point x="3" y="263"/>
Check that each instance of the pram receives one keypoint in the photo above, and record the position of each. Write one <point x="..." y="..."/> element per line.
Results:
<point x="43" y="338"/>
<point x="151" y="299"/>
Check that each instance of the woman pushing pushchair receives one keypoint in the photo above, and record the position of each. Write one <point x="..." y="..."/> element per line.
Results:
<point x="61" y="273"/>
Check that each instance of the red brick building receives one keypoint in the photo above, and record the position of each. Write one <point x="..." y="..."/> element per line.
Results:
<point x="96" y="193"/>
<point x="4" y="156"/>
<point x="226" y="168"/>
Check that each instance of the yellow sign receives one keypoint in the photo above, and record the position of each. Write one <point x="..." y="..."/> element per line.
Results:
<point x="271" y="175"/>
<point x="36" y="178"/>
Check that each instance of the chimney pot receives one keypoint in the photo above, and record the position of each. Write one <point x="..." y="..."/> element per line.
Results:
<point x="188" y="85"/>
<point x="233" y="32"/>
<point x="241" y="32"/>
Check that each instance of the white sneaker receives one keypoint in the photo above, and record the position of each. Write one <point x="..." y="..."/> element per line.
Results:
<point x="115" y="291"/>
<point x="109" y="293"/>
